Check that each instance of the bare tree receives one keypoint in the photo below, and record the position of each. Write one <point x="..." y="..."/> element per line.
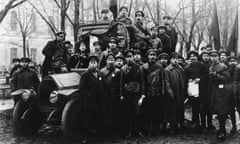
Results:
<point x="226" y="19"/>
<point x="63" y="5"/>
<point x="188" y="35"/>
<point x="45" y="17"/>
<point x="158" y="12"/>
<point x="130" y="7"/>
<point x="74" y="20"/>
<point x="10" y="5"/>
<point x="76" y="24"/>
<point x="25" y="20"/>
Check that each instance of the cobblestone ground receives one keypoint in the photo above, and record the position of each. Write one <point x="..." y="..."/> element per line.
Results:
<point x="54" y="136"/>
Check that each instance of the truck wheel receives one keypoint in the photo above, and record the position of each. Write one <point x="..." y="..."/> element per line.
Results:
<point x="72" y="119"/>
<point x="28" y="125"/>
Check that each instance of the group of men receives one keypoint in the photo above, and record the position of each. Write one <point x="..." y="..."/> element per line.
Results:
<point x="149" y="98"/>
<point x="61" y="57"/>
<point x="143" y="90"/>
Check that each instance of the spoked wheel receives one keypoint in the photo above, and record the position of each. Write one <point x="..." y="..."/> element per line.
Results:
<point x="26" y="119"/>
<point x="72" y="119"/>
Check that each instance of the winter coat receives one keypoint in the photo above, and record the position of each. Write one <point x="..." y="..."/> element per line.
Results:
<point x="25" y="78"/>
<point x="220" y="89"/>
<point x="111" y="100"/>
<point x="175" y="94"/>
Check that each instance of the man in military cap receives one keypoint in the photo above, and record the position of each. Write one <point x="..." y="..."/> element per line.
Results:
<point x="25" y="77"/>
<point x="119" y="61"/>
<point x="91" y="91"/>
<point x="232" y="63"/>
<point x="132" y="90"/>
<point x="171" y="32"/>
<point x="141" y="31"/>
<point x="204" y="98"/>
<point x="175" y="95"/>
<point x="224" y="57"/>
<point x="163" y="59"/>
<point x="111" y="101"/>
<point x="194" y="72"/>
<point x="112" y="48"/>
<point x="123" y="16"/>
<point x="205" y="58"/>
<point x="220" y="91"/>
<point x="154" y="90"/>
<point x="55" y="55"/>
<point x="165" y="39"/>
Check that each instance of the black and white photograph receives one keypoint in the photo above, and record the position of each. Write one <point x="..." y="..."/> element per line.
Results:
<point x="119" y="72"/>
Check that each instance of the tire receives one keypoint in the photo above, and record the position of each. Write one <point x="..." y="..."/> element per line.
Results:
<point x="29" y="126"/>
<point x="72" y="119"/>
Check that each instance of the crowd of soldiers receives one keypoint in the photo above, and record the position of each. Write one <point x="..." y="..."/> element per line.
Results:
<point x="142" y="91"/>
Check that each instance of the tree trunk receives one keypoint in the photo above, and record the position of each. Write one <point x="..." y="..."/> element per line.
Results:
<point x="94" y="11"/>
<point x="97" y="9"/>
<point x="63" y="14"/>
<point x="192" y="36"/>
<point x="188" y="45"/>
<point x="225" y="26"/>
<point x="130" y="8"/>
<point x="158" y="12"/>
<point x="82" y="9"/>
<point x="76" y="22"/>
<point x="193" y="11"/>
<point x="24" y="45"/>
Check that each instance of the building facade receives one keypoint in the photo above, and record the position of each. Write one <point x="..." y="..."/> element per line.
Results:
<point x="24" y="18"/>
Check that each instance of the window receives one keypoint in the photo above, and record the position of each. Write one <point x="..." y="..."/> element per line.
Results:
<point x="13" y="53"/>
<point x="33" y="22"/>
<point x="33" y="54"/>
<point x="13" y="20"/>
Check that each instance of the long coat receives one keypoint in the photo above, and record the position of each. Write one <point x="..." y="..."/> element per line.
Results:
<point x="203" y="95"/>
<point x="111" y="100"/>
<point x="220" y="89"/>
<point x="175" y="94"/>
<point x="236" y="82"/>
<point x="91" y="91"/>
<point x="198" y="70"/>
<point x="132" y="86"/>
<point x="154" y="89"/>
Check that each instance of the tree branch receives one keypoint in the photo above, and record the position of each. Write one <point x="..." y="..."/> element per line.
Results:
<point x="52" y="27"/>
<point x="149" y="9"/>
<point x="67" y="16"/>
<point x="57" y="3"/>
<point x="19" y="3"/>
<point x="68" y="4"/>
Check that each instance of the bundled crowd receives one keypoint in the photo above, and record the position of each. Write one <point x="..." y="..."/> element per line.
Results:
<point x="143" y="90"/>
